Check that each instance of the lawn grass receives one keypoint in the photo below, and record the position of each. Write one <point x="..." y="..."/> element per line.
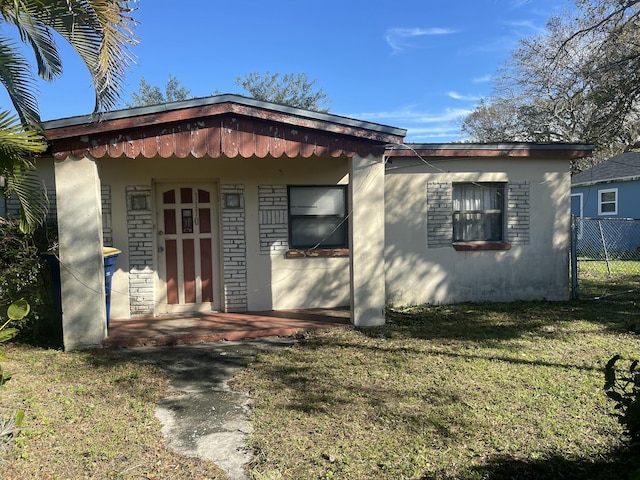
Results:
<point x="470" y="391"/>
<point x="88" y="415"/>
<point x="602" y="270"/>
<point x="473" y="391"/>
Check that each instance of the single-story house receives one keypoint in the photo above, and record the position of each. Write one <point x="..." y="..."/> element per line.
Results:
<point x="606" y="197"/>
<point x="610" y="189"/>
<point x="231" y="204"/>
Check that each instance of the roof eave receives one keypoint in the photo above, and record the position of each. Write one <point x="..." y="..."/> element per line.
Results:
<point x="218" y="105"/>
<point x="521" y="149"/>
<point x="606" y="180"/>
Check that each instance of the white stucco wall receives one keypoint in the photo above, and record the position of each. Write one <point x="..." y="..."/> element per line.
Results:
<point x="417" y="273"/>
<point x="367" y="241"/>
<point x="414" y="272"/>
<point x="273" y="282"/>
<point x="81" y="262"/>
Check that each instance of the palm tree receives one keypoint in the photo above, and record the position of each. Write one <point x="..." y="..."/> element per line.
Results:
<point x="101" y="32"/>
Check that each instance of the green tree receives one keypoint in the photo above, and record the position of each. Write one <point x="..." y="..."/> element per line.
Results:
<point x="153" y="95"/>
<point x="295" y="90"/>
<point x="100" y="31"/>
<point x="577" y="81"/>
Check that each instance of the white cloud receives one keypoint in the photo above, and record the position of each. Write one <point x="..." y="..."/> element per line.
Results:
<point x="408" y="115"/>
<point x="465" y="98"/>
<point x="525" y="27"/>
<point x="483" y="79"/>
<point x="436" y="133"/>
<point x="422" y="126"/>
<point x="398" y="38"/>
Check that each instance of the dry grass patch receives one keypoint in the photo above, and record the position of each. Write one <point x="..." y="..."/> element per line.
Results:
<point x="89" y="415"/>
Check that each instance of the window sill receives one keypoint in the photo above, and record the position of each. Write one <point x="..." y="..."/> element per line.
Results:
<point x="480" y="246"/>
<point x="317" y="253"/>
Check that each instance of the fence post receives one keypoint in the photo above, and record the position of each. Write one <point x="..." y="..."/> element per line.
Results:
<point x="574" y="258"/>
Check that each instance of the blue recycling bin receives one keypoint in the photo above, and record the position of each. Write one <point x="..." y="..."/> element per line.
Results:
<point x="110" y="254"/>
<point x="54" y="271"/>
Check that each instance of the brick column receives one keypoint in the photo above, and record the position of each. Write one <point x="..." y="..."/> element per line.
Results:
<point x="140" y="233"/>
<point x="234" y="252"/>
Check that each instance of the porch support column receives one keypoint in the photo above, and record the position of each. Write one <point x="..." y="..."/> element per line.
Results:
<point x="366" y="240"/>
<point x="81" y="262"/>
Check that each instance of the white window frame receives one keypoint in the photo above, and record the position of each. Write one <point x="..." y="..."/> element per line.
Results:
<point x="600" y="202"/>
<point x="580" y="212"/>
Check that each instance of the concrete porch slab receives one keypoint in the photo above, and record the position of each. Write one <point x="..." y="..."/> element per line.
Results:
<point x="215" y="327"/>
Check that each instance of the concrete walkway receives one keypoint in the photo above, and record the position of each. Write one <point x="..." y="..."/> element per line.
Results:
<point x="205" y="418"/>
<point x="201" y="353"/>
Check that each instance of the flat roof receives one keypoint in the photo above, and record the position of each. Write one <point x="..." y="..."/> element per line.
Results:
<point x="502" y="149"/>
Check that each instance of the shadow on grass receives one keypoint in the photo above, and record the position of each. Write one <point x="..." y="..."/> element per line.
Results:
<point x="469" y="356"/>
<point x="487" y="323"/>
<point x="620" y="465"/>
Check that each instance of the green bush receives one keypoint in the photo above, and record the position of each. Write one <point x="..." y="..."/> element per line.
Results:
<point x="19" y="266"/>
<point x="25" y="276"/>
<point x="622" y="385"/>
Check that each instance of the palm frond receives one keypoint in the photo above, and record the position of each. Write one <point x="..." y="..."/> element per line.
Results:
<point x="40" y="37"/>
<point x="30" y="190"/>
<point x="115" y="56"/>
<point x="17" y="149"/>
<point x="17" y="143"/>
<point x="101" y="31"/>
<point x="15" y="75"/>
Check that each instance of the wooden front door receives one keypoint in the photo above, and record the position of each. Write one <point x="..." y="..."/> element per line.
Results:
<point x="188" y="267"/>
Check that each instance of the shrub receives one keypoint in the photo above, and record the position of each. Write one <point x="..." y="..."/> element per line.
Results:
<point x="19" y="265"/>
<point x="24" y="276"/>
<point x="622" y="385"/>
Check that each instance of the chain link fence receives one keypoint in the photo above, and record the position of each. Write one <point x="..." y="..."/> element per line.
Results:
<point x="605" y="248"/>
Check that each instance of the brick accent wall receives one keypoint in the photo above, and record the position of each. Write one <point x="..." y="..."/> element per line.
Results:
<point x="234" y="252"/>
<point x="439" y="214"/>
<point x="13" y="206"/>
<point x="140" y="233"/>
<point x="107" y="231"/>
<point x="440" y="207"/>
<point x="273" y="219"/>
<point x="52" y="214"/>
<point x="518" y="215"/>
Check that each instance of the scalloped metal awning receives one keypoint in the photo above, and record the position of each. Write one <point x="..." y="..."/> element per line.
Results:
<point x="222" y="126"/>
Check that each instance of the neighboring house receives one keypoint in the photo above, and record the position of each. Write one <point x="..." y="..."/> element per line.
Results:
<point x="231" y="204"/>
<point x="610" y="189"/>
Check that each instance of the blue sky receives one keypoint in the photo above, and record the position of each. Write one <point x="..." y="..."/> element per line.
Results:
<point x="414" y="64"/>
